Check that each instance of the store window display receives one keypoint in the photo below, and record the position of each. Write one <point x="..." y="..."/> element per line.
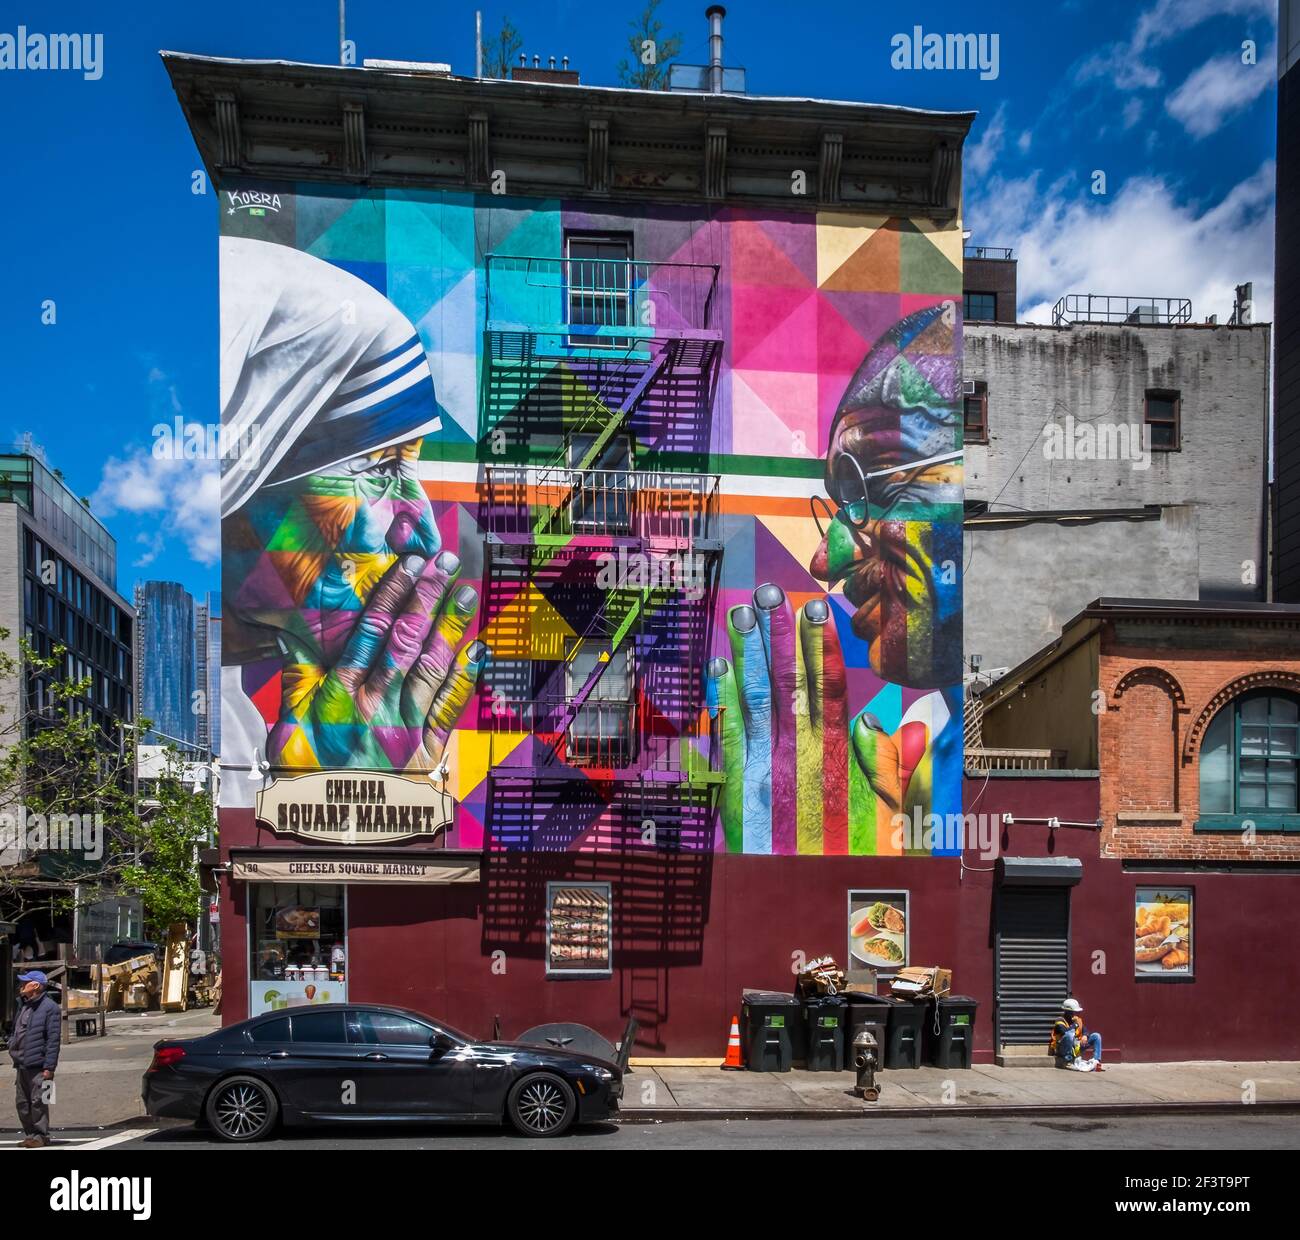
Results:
<point x="298" y="934"/>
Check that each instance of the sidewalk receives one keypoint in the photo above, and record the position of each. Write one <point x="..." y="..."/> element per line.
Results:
<point x="99" y="1085"/>
<point x="98" y="1081"/>
<point x="683" y="1093"/>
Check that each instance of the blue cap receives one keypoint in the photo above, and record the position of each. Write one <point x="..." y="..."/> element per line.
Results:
<point x="34" y="976"/>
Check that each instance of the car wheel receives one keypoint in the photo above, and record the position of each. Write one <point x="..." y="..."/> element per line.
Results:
<point x="241" y="1108"/>
<point x="541" y="1105"/>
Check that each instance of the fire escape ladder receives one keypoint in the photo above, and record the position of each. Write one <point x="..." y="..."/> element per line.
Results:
<point x="613" y="641"/>
<point x="613" y="422"/>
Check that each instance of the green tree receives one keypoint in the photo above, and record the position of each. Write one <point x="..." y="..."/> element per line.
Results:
<point x="652" y="52"/>
<point x="499" y="53"/>
<point x="174" y="822"/>
<point x="69" y="814"/>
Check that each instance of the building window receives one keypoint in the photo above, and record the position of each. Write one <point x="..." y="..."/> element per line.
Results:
<point x="602" y="727"/>
<point x="977" y="414"/>
<point x="1249" y="762"/>
<point x="979" y="307"/>
<point x="297" y="937"/>
<point x="599" y="288"/>
<point x="1163" y="417"/>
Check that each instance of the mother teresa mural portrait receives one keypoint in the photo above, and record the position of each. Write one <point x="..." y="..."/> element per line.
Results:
<point x="333" y="569"/>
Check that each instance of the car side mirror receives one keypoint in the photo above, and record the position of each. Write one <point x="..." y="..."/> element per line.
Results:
<point x="438" y="1044"/>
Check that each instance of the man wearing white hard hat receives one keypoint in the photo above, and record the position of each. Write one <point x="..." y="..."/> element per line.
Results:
<point x="1069" y="1038"/>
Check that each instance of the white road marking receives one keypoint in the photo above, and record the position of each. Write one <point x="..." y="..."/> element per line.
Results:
<point x="131" y="1134"/>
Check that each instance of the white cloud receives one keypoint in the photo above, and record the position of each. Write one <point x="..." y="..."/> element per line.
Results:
<point x="1124" y="62"/>
<point x="179" y="498"/>
<point x="978" y="159"/>
<point x="1217" y="90"/>
<point x="1132" y="113"/>
<point x="1141" y="242"/>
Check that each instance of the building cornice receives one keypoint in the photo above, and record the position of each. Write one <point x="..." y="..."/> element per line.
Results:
<point x="282" y="121"/>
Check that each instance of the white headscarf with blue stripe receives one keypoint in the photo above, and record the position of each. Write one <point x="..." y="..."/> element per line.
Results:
<point x="317" y="368"/>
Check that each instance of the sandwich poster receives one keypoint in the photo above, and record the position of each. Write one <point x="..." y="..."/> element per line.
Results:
<point x="878" y="930"/>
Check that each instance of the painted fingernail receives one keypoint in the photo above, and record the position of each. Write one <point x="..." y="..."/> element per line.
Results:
<point x="466" y="598"/>
<point x="476" y="652"/>
<point x="413" y="564"/>
<point x="743" y="618"/>
<point x="717" y="667"/>
<point x="769" y="596"/>
<point x="871" y="721"/>
<point x="816" y="610"/>
<point x="448" y="561"/>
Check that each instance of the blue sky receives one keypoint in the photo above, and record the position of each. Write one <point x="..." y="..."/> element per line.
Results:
<point x="100" y="218"/>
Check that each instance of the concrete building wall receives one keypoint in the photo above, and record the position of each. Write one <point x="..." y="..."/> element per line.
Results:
<point x="1051" y="389"/>
<point x="1026" y="579"/>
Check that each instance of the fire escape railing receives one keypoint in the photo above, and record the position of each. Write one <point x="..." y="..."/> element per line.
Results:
<point x="524" y="502"/>
<point x="596" y="301"/>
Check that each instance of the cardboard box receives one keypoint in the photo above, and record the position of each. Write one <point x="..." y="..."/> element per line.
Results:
<point x="917" y="981"/>
<point x="860" y="981"/>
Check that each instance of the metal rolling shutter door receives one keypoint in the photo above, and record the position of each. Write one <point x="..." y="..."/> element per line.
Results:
<point x="1033" y="961"/>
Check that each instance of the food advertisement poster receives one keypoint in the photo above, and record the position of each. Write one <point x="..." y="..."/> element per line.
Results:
<point x="878" y="930"/>
<point x="1163" y="932"/>
<point x="295" y="922"/>
<point x="278" y="995"/>
<point x="579" y="929"/>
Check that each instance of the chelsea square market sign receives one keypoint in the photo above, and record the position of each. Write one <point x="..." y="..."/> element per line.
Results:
<point x="355" y="808"/>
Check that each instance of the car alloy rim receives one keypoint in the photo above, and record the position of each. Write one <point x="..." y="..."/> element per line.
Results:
<point x="541" y="1106"/>
<point x="241" y="1110"/>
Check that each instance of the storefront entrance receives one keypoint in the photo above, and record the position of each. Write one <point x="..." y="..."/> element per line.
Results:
<point x="1032" y="966"/>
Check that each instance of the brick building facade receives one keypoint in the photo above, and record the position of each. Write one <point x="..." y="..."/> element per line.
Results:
<point x="1133" y="689"/>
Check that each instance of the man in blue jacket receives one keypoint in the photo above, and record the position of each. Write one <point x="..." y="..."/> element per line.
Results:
<point x="34" y="1048"/>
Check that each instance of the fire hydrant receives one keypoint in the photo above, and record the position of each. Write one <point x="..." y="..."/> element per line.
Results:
<point x="866" y="1058"/>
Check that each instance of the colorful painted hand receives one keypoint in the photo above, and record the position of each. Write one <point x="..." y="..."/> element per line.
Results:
<point x="802" y="778"/>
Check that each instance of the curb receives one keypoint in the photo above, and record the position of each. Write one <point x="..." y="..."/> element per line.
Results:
<point x="1117" y="1110"/>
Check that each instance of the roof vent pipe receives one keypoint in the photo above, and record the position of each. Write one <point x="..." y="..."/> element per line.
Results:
<point x="537" y="61"/>
<point x="715" y="13"/>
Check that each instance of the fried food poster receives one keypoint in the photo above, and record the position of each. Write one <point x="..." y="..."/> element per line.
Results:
<point x="1163" y="932"/>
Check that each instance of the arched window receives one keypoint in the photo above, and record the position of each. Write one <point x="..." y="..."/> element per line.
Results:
<point x="1249" y="756"/>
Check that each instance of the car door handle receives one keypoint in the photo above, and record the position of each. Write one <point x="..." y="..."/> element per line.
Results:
<point x="376" y="1055"/>
<point x="278" y="1055"/>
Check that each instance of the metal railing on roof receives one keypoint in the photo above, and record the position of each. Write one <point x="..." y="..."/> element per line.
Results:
<point x="987" y="251"/>
<point x="1137" y="311"/>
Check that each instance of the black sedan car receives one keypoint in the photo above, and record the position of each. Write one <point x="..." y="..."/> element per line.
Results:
<point x="349" y="1063"/>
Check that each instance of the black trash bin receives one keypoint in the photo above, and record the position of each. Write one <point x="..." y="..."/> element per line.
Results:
<point x="770" y="1023"/>
<point x="950" y="1031"/>
<point x="826" y="1017"/>
<point x="866" y="1012"/>
<point x="903" y="1043"/>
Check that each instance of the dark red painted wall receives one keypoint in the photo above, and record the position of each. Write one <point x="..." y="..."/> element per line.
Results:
<point x="691" y="932"/>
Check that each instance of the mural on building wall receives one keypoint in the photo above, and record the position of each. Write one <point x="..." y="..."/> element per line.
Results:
<point x="406" y="375"/>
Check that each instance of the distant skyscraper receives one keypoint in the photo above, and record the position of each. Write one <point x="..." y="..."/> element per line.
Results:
<point x="207" y="670"/>
<point x="165" y="661"/>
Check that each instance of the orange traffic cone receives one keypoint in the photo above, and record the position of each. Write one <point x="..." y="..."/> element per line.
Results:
<point x="733" y="1059"/>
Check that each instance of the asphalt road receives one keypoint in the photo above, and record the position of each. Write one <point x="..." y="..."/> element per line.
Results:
<point x="1140" y="1134"/>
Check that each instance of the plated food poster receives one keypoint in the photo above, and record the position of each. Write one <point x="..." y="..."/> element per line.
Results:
<point x="878" y="930"/>
<point x="1163" y="932"/>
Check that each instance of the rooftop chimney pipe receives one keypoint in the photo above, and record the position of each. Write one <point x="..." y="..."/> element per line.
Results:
<point x="715" y="13"/>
